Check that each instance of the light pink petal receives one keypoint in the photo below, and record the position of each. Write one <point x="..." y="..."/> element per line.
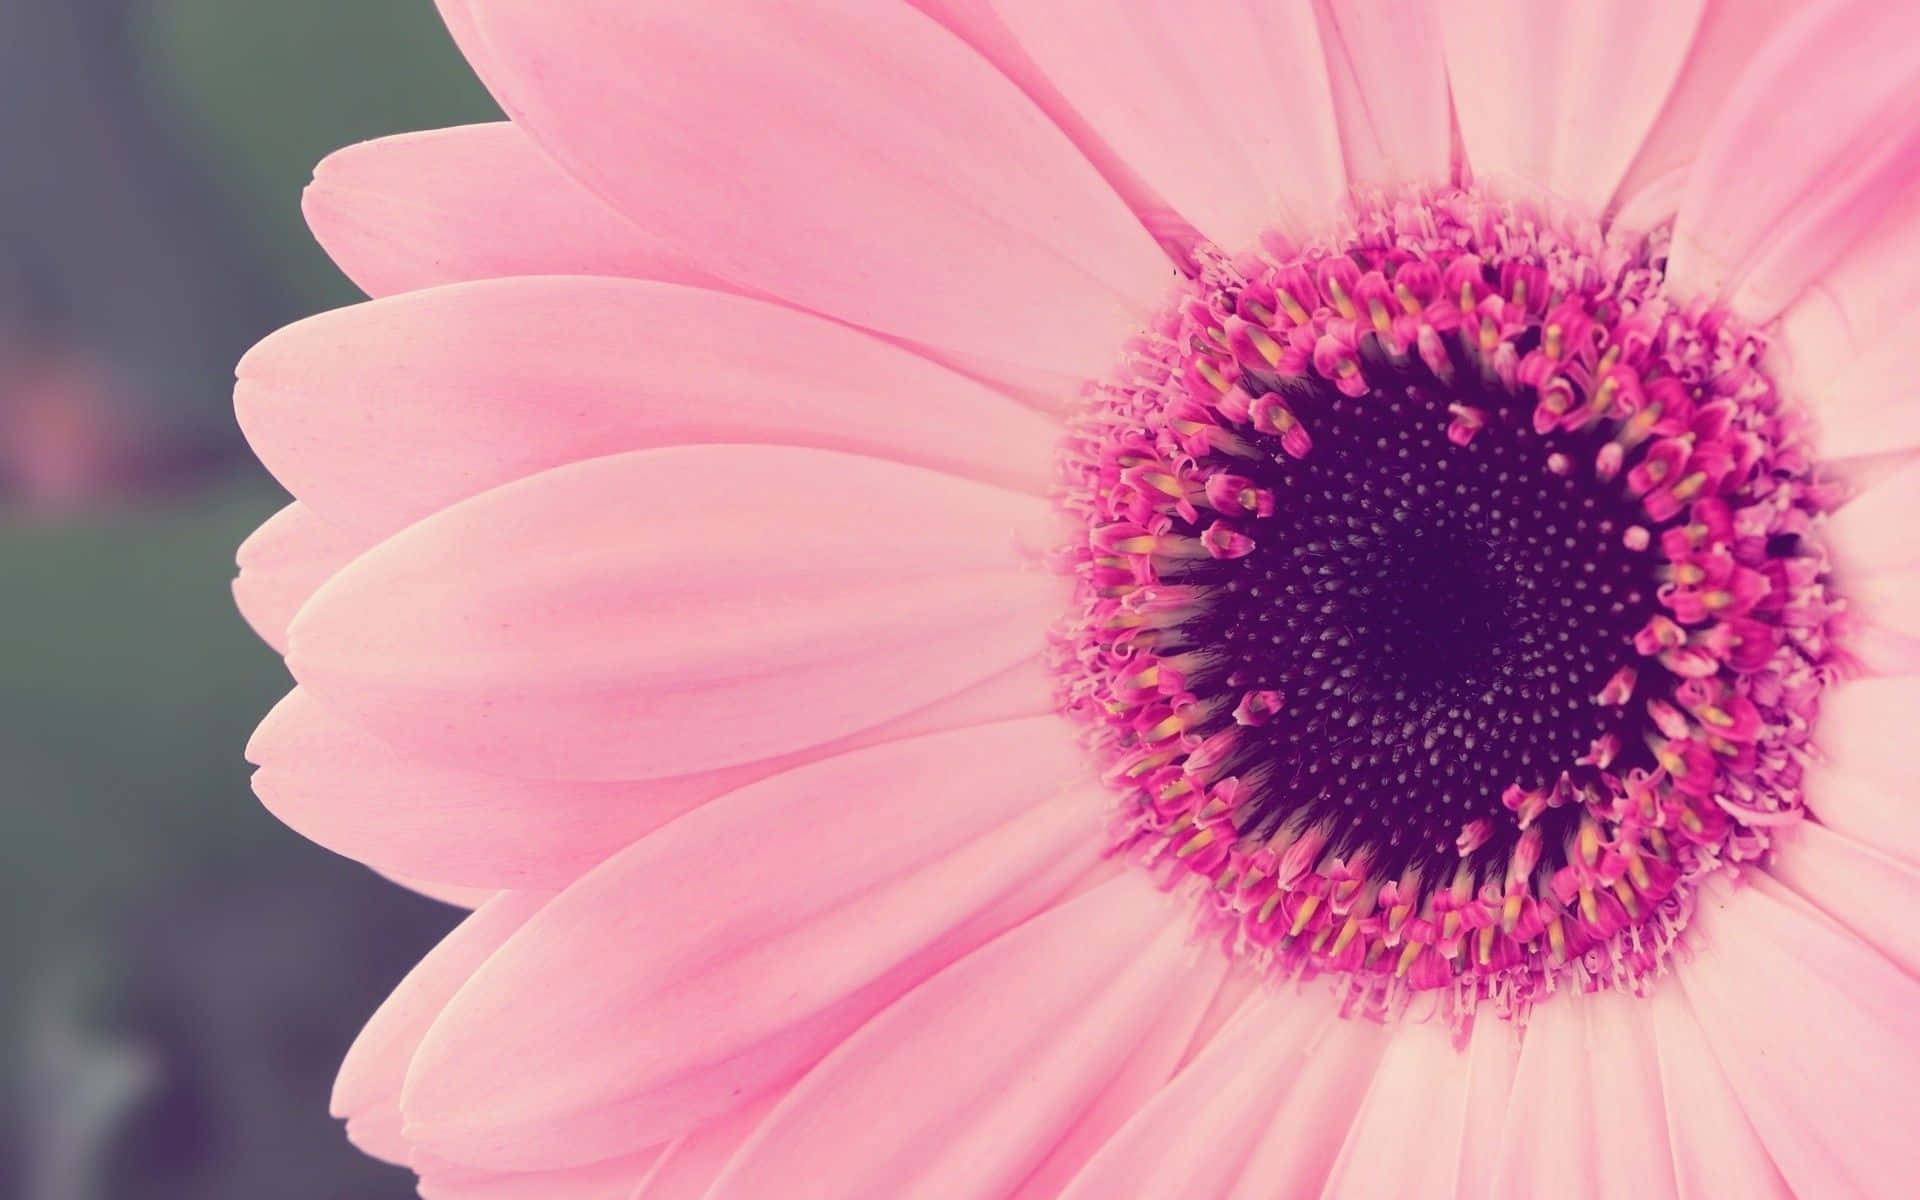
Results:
<point x="1559" y="97"/>
<point x="472" y="202"/>
<point x="1866" y="729"/>
<point x="1846" y="342"/>
<point x="1818" y="1035"/>
<point x="1389" y="82"/>
<point x="1882" y="651"/>
<point x="727" y="951"/>
<point x="691" y="1163"/>
<point x="672" y="611"/>
<point x="1887" y="599"/>
<point x="1223" y="108"/>
<point x="505" y="378"/>
<point x="1630" y="1137"/>
<point x="1792" y="175"/>
<point x="1193" y="1138"/>
<point x="614" y="1179"/>
<point x="1882" y="815"/>
<point x="407" y="816"/>
<point x="366" y="1093"/>
<point x="1855" y="883"/>
<point x="1729" y="34"/>
<point x="1305" y="1131"/>
<point x="1874" y="530"/>
<point x="1715" y="1150"/>
<point x="1493" y="1055"/>
<point x="1584" y="1115"/>
<point x="961" y="1088"/>
<point x="1151" y="1064"/>
<point x="856" y="159"/>
<point x="1554" y="1076"/>
<point x="285" y="561"/>
<point x="1406" y="1137"/>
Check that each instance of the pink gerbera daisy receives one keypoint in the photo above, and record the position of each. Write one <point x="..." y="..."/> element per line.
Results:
<point x="1017" y="598"/>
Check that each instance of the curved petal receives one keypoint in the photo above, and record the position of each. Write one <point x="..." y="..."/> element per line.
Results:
<point x="1304" y="1134"/>
<point x="285" y="561"/>
<point x="1223" y="108"/>
<point x="1493" y="1056"/>
<point x="1781" y="189"/>
<point x="1389" y="81"/>
<point x="1866" y="727"/>
<point x="691" y="1163"/>
<point x="673" y="611"/>
<point x="853" y="879"/>
<point x="1590" y="1061"/>
<point x="472" y="202"/>
<point x="1729" y="34"/>
<point x="1869" y="892"/>
<point x="1019" y="1036"/>
<point x="1715" y="1150"/>
<point x="614" y="1179"/>
<point x="406" y="816"/>
<point x="366" y="1093"/>
<point x="501" y="379"/>
<point x="1558" y="98"/>
<point x="1150" y="1065"/>
<point x="856" y="159"/>
<point x="1880" y="815"/>
<point x="1406" y="1137"/>
<point x="1874" y="530"/>
<point x="1818" y="1035"/>
<point x="1847" y="341"/>
<point x="452" y="895"/>
<point x="1194" y="1136"/>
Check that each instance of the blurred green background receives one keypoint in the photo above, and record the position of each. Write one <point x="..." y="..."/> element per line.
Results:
<point x="181" y="974"/>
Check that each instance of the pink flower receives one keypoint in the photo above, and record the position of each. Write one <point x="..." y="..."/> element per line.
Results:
<point x="997" y="598"/>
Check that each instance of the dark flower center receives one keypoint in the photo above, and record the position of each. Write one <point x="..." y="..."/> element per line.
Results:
<point x="1437" y="620"/>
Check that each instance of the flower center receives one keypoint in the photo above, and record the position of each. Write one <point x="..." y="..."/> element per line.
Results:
<point x="1444" y="609"/>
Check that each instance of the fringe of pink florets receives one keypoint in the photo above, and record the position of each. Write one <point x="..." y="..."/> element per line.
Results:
<point x="1699" y="436"/>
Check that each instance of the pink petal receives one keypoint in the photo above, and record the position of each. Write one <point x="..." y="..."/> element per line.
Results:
<point x="1818" y="1035"/>
<point x="1194" y="1137"/>
<point x="856" y="159"/>
<point x="615" y="1179"/>
<point x="1559" y="98"/>
<point x="1866" y="728"/>
<point x="969" y="1079"/>
<point x="1222" y="108"/>
<point x="285" y="561"/>
<point x="692" y="1163"/>
<point x="1854" y="882"/>
<point x="727" y="951"/>
<point x="1730" y="33"/>
<point x="407" y="816"/>
<point x="1879" y="814"/>
<point x="1305" y="1132"/>
<point x="1389" y="82"/>
<point x="472" y="202"/>
<point x="1262" y="1112"/>
<point x="1406" y="1137"/>
<point x="1151" y="1064"/>
<point x="1874" y="530"/>
<point x="1847" y="340"/>
<point x="1715" y="1150"/>
<point x="1629" y="1132"/>
<point x="1585" y="1115"/>
<point x="1493" y="1056"/>
<point x="1792" y="175"/>
<point x="367" y="1092"/>
<point x="506" y="378"/>
<point x="672" y="611"/>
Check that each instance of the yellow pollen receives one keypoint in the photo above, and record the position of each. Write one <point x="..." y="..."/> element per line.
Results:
<point x="1382" y="320"/>
<point x="1296" y="313"/>
<point x="1553" y="341"/>
<point x="1308" y="907"/>
<point x="1195" y="844"/>
<point x="1407" y="299"/>
<point x="1264" y="343"/>
<point x="1211" y="374"/>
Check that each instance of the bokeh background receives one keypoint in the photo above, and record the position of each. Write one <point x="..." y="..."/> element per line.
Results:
<point x="179" y="975"/>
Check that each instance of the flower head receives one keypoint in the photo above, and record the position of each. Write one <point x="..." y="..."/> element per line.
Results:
<point x="1014" y="599"/>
